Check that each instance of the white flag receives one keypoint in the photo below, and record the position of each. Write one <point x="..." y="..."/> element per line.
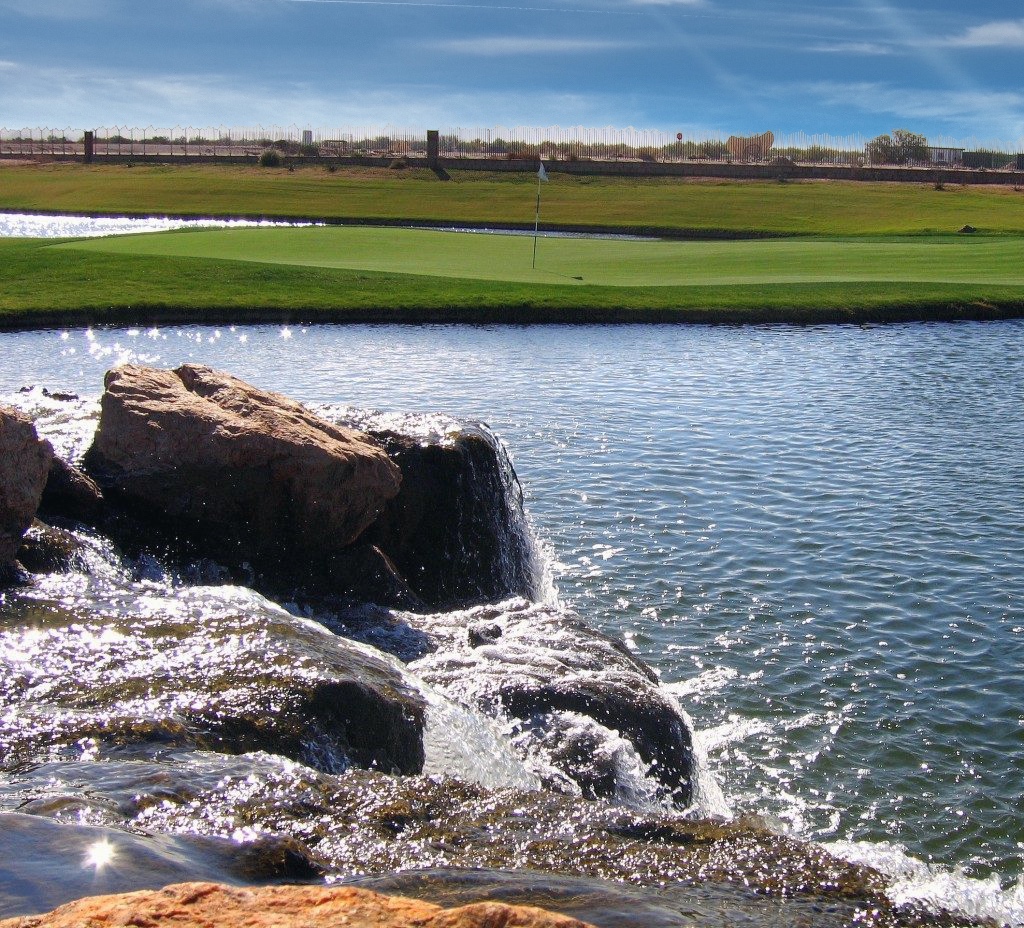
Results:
<point x="542" y="174"/>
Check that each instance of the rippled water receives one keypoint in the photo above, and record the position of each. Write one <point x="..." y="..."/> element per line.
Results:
<point x="813" y="534"/>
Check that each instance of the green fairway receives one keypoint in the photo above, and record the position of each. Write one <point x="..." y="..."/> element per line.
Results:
<point x="832" y="208"/>
<point x="573" y="262"/>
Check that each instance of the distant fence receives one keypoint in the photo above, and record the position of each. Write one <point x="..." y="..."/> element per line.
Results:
<point x="556" y="143"/>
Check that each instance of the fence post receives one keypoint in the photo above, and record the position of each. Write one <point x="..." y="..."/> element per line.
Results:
<point x="433" y="147"/>
<point x="90" y="145"/>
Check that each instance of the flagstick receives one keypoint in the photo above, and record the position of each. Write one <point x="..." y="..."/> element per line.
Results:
<point x="536" y="223"/>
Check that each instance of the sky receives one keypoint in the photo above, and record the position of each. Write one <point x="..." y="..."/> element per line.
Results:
<point x="942" y="68"/>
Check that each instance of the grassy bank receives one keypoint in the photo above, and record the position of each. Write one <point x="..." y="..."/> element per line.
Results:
<point x="768" y="207"/>
<point x="841" y="251"/>
<point x="43" y="285"/>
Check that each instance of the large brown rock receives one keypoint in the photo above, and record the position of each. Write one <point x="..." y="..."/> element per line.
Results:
<point x="212" y="905"/>
<point x="24" y="465"/>
<point x="246" y="475"/>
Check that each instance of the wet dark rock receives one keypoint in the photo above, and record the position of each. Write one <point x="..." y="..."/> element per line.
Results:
<point x="24" y="464"/>
<point x="362" y="572"/>
<point x="71" y="494"/>
<point x="609" y="904"/>
<point x="243" y="475"/>
<point x="208" y="668"/>
<point x="573" y="696"/>
<point x="48" y="549"/>
<point x="363" y="823"/>
<point x="58" y="395"/>
<point x="367" y="825"/>
<point x="456" y="530"/>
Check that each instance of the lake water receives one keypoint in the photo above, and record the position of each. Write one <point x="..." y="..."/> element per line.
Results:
<point x="813" y="534"/>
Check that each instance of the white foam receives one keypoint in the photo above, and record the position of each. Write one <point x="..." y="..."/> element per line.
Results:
<point x="463" y="743"/>
<point x="914" y="881"/>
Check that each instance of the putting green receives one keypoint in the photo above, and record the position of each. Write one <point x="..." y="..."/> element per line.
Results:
<point x="602" y="262"/>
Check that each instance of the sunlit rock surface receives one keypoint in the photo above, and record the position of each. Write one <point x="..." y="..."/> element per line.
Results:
<point x="140" y="671"/>
<point x="244" y="474"/>
<point x="24" y="465"/>
<point x="209" y="905"/>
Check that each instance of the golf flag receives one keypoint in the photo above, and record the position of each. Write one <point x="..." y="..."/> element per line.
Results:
<point x="541" y="175"/>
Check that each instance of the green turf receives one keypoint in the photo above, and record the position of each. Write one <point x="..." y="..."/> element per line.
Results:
<point x="859" y="251"/>
<point x="803" y="208"/>
<point x="600" y="262"/>
<point x="42" y="284"/>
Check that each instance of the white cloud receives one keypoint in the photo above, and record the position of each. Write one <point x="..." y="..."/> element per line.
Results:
<point x="1003" y="34"/>
<point x="92" y="98"/>
<point x="853" y="48"/>
<point x="992" y="115"/>
<point x="668" y="2"/>
<point x="525" y="45"/>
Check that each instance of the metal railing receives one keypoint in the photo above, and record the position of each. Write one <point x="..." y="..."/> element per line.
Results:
<point x="495" y="142"/>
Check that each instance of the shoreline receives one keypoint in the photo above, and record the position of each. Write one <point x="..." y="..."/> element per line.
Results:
<point x="117" y="317"/>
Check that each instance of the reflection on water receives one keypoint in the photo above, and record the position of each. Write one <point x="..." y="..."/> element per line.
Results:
<point x="33" y="225"/>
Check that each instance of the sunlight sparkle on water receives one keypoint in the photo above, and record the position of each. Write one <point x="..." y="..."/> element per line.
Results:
<point x="99" y="854"/>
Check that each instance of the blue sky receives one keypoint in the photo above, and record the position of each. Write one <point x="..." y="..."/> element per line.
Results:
<point x="699" y="66"/>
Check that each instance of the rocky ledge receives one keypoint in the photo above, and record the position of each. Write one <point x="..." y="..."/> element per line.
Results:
<point x="211" y="905"/>
<point x="194" y="464"/>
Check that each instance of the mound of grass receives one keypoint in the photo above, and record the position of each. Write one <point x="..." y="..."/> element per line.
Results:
<point x="573" y="262"/>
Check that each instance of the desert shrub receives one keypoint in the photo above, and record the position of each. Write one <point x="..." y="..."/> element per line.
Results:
<point x="270" y="158"/>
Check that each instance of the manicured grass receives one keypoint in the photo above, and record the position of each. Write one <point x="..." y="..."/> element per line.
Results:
<point x="804" y="208"/>
<point x="43" y="284"/>
<point x="576" y="262"/>
<point x="855" y="251"/>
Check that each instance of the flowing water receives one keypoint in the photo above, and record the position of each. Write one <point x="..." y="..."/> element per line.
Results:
<point x="813" y="535"/>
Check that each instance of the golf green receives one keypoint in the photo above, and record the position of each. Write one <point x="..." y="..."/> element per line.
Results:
<point x="592" y="261"/>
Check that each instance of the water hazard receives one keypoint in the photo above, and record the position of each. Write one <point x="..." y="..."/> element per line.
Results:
<point x="812" y="535"/>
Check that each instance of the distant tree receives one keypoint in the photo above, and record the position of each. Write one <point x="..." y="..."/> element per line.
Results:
<point x="902" y="147"/>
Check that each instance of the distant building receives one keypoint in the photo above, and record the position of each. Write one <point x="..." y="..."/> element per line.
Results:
<point x="945" y="155"/>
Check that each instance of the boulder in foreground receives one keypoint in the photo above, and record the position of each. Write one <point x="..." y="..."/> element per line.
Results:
<point x="247" y="475"/>
<point x="212" y="905"/>
<point x="24" y="465"/>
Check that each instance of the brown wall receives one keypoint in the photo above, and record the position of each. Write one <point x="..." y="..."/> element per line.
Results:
<point x="602" y="168"/>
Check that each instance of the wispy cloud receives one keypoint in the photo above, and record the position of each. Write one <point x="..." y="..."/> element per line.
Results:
<point x="94" y="98"/>
<point x="853" y="48"/>
<point x="669" y="2"/>
<point x="496" y="46"/>
<point x="998" y="114"/>
<point x="456" y="5"/>
<point x="1003" y="34"/>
